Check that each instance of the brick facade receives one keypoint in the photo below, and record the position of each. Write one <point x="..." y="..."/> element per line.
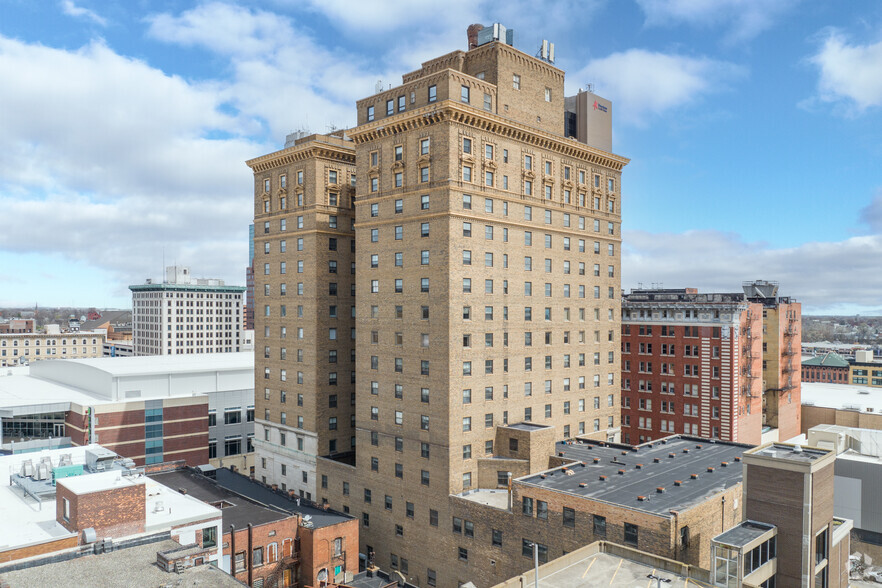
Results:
<point x="487" y="249"/>
<point x="691" y="363"/>
<point x="318" y="550"/>
<point x="116" y="512"/>
<point x="793" y="490"/>
<point x="277" y="541"/>
<point x="304" y="299"/>
<point x="39" y="549"/>
<point x="121" y="427"/>
<point x="782" y="361"/>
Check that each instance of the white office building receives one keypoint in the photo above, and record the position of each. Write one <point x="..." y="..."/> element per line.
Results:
<point x="186" y="315"/>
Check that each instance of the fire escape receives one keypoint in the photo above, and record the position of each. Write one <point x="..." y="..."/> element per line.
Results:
<point x="787" y="354"/>
<point x="747" y="355"/>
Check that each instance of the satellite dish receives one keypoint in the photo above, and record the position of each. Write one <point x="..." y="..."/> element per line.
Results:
<point x="322" y="575"/>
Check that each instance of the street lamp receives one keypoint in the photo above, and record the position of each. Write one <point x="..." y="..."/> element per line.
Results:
<point x="658" y="580"/>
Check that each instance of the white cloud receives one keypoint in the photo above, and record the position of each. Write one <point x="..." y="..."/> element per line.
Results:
<point x="819" y="274"/>
<point x="280" y="73"/>
<point x="642" y="83"/>
<point x="222" y="28"/>
<point x="71" y="9"/>
<point x="848" y="73"/>
<point x="375" y="16"/>
<point x="117" y="165"/>
<point x="743" y="19"/>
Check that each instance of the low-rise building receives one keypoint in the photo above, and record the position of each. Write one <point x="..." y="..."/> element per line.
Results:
<point x="602" y="563"/>
<point x="830" y="368"/>
<point x="197" y="408"/>
<point x="158" y="562"/>
<point x="788" y="499"/>
<point x="329" y="539"/>
<point x="270" y="539"/>
<point x="864" y="370"/>
<point x="841" y="404"/>
<point x="667" y="498"/>
<point x="17" y="325"/>
<point x="858" y="471"/>
<point x="55" y="501"/>
<point x="19" y="348"/>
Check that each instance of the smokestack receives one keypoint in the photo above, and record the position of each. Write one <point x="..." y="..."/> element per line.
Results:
<point x="472" y="33"/>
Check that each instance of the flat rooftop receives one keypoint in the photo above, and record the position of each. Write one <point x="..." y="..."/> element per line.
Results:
<point x="602" y="564"/>
<point x="161" y="364"/>
<point x="842" y="396"/>
<point x="744" y="533"/>
<point x="237" y="510"/>
<point x="494" y="498"/>
<point x="51" y="386"/>
<point x="23" y="394"/>
<point x="120" y="568"/>
<point x="27" y="521"/>
<point x="791" y="452"/>
<point x="645" y="468"/>
<point x="526" y="426"/>
<point x="256" y="491"/>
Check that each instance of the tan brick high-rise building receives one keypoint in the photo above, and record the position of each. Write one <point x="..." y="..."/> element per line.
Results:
<point x="782" y="357"/>
<point x="304" y="291"/>
<point x="487" y="248"/>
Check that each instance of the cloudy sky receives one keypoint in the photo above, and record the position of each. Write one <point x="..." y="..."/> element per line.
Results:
<point x="754" y="129"/>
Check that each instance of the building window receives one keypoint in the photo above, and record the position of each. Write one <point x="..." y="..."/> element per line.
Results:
<point x="433" y="95"/>
<point x="464" y="94"/>
<point x="209" y="537"/>
<point x="631" y="534"/>
<point x="569" y="517"/>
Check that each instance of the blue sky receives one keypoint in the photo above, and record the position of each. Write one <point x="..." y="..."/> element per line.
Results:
<point x="754" y="129"/>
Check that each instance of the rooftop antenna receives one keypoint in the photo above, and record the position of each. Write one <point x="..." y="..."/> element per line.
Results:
<point x="378" y="87"/>
<point x="546" y="51"/>
<point x="589" y="87"/>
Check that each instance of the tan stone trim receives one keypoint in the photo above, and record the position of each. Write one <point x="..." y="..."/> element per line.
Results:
<point x="450" y="110"/>
<point x="310" y="150"/>
<point x="142" y="425"/>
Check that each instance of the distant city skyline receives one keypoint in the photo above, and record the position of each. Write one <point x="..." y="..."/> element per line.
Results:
<point x="752" y="128"/>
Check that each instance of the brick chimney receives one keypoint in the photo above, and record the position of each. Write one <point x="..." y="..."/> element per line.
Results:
<point x="472" y="33"/>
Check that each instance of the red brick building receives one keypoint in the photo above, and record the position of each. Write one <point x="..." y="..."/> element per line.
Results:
<point x="691" y="364"/>
<point x="830" y="368"/>
<point x="176" y="428"/>
<point x="270" y="539"/>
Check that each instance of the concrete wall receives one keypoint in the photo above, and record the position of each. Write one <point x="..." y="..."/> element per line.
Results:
<point x="819" y="415"/>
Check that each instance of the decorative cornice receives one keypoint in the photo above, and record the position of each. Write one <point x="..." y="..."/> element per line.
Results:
<point x="450" y="110"/>
<point x="298" y="153"/>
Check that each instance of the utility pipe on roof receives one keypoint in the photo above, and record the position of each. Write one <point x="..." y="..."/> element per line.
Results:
<point x="250" y="557"/>
<point x="232" y="550"/>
